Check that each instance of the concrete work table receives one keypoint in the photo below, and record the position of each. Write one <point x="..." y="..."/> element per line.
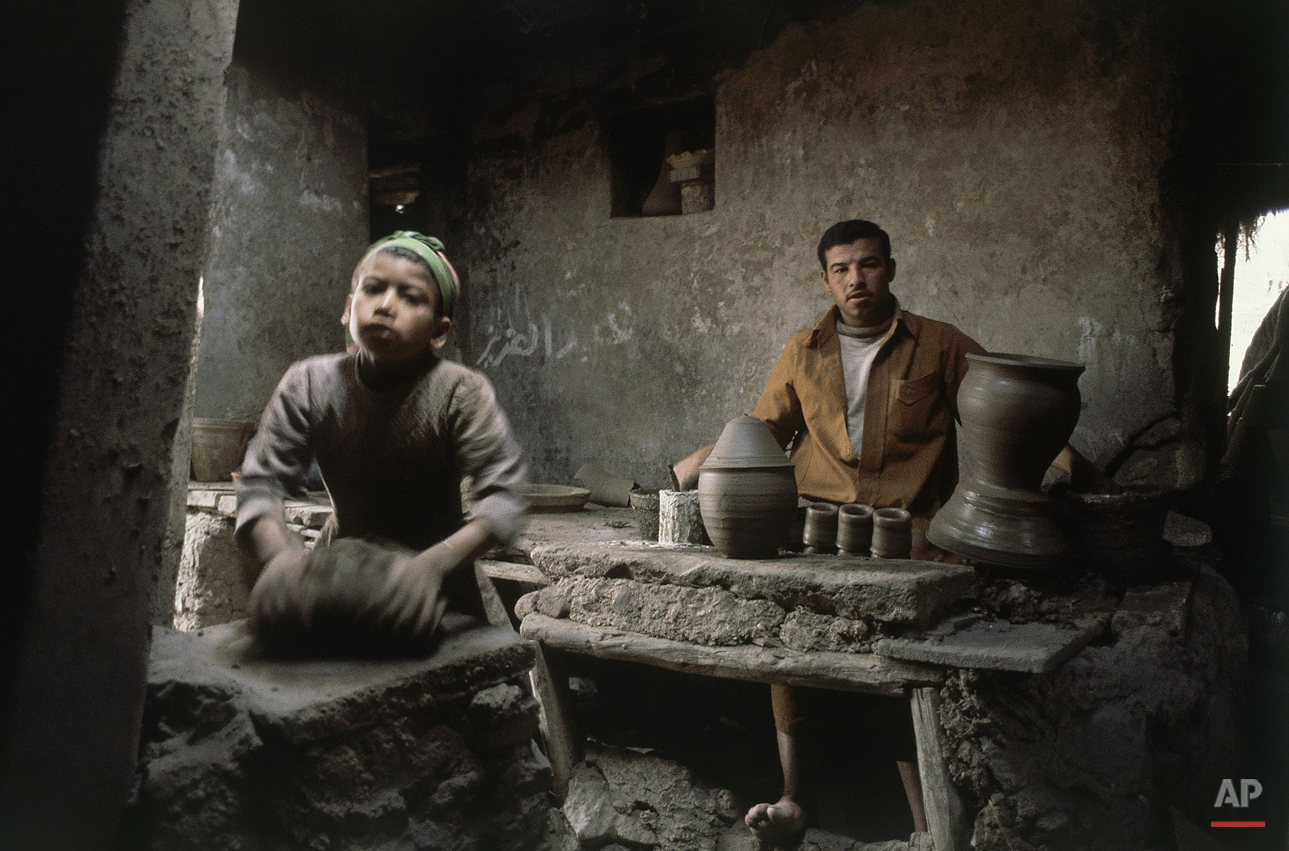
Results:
<point x="690" y="609"/>
<point x="889" y="627"/>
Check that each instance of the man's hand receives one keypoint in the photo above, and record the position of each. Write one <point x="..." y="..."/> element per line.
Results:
<point x="1085" y="477"/>
<point x="685" y="472"/>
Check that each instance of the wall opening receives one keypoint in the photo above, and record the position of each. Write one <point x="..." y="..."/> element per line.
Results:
<point x="1261" y="274"/>
<point x="639" y="143"/>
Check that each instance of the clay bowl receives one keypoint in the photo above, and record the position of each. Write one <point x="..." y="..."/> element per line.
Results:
<point x="550" y="498"/>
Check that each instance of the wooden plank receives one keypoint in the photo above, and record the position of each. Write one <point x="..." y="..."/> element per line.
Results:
<point x="557" y="716"/>
<point x="493" y="606"/>
<point x="945" y="814"/>
<point x="513" y="571"/>
<point x="863" y="672"/>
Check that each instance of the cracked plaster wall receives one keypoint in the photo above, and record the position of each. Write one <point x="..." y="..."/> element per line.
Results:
<point x="288" y="223"/>
<point x="1015" y="151"/>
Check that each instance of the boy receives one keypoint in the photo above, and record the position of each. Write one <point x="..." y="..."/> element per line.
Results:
<point x="393" y="429"/>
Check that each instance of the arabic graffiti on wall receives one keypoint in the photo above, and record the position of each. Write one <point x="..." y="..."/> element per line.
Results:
<point x="513" y="342"/>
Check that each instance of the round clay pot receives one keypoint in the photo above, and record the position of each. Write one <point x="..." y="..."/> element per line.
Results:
<point x="1017" y="413"/>
<point x="854" y="529"/>
<point x="747" y="491"/>
<point x="892" y="533"/>
<point x="1121" y="535"/>
<point x="820" y="532"/>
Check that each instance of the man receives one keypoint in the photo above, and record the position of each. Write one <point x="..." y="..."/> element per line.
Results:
<point x="867" y="401"/>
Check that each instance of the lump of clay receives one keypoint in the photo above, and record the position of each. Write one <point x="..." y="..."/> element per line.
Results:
<point x="336" y="602"/>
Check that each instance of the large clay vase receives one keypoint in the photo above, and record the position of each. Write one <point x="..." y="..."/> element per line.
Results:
<point x="747" y="491"/>
<point x="1017" y="413"/>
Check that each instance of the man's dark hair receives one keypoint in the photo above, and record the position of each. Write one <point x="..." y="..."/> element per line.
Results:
<point x="844" y="233"/>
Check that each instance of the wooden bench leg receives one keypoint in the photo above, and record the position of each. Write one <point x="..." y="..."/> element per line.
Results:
<point x="945" y="815"/>
<point x="493" y="606"/>
<point x="564" y="744"/>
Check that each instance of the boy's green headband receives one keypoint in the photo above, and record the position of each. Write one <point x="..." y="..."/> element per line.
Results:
<point x="430" y="250"/>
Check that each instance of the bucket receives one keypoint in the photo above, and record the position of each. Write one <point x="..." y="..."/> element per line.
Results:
<point x="218" y="447"/>
<point x="1122" y="535"/>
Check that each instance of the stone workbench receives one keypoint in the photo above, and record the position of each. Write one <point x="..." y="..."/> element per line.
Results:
<point x="1122" y="663"/>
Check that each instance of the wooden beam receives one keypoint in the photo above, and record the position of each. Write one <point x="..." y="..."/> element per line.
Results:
<point x="513" y="571"/>
<point x="864" y="672"/>
<point x="557" y="716"/>
<point x="493" y="606"/>
<point x="945" y="814"/>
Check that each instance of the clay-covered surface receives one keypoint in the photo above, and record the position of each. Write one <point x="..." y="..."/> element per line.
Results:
<point x="888" y="590"/>
<point x="592" y="523"/>
<point x="311" y="699"/>
<point x="240" y="752"/>
<point x="1033" y="648"/>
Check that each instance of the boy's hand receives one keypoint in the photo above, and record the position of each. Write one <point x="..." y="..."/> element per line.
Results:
<point x="276" y="595"/>
<point x="414" y="602"/>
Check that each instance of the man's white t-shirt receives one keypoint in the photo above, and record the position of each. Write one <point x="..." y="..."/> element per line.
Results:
<point x="859" y="347"/>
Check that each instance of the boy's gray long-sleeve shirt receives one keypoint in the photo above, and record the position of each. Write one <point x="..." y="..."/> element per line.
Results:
<point x="392" y="461"/>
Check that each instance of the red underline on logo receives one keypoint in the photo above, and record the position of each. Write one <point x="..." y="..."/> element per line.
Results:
<point x="1237" y="824"/>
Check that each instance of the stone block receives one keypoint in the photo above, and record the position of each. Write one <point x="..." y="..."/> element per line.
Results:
<point x="1164" y="606"/>
<point x="215" y="575"/>
<point x="970" y="642"/>
<point x="620" y="796"/>
<point x="808" y="632"/>
<point x="242" y="751"/>
<point x="897" y="591"/>
<point x="709" y="616"/>
<point x="864" y="672"/>
<point x="502" y="715"/>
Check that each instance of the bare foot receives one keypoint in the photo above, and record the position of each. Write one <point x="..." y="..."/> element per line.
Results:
<point x="775" y="821"/>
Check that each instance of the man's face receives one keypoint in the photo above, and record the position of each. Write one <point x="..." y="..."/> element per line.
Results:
<point x="858" y="278"/>
<point x="391" y="313"/>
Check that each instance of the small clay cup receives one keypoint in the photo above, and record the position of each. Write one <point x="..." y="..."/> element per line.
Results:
<point x="892" y="533"/>
<point x="854" y="529"/>
<point x="820" y="533"/>
<point x="644" y="503"/>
